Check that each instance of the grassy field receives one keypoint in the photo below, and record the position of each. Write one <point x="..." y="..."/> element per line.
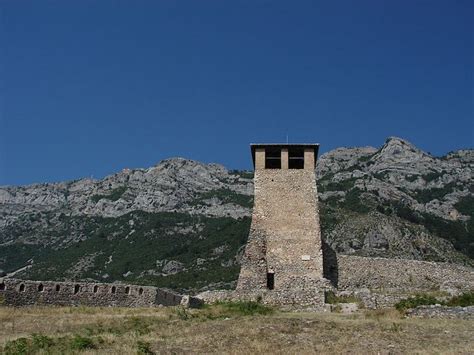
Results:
<point x="225" y="328"/>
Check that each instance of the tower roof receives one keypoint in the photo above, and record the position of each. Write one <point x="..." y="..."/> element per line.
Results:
<point x="314" y="146"/>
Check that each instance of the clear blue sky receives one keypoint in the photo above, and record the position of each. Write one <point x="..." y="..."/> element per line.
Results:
<point x="92" y="87"/>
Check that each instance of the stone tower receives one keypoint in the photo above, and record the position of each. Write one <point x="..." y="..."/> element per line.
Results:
<point x="283" y="256"/>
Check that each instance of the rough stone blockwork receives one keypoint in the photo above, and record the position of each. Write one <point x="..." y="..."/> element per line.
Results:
<point x="25" y="293"/>
<point x="285" y="236"/>
<point x="381" y="282"/>
<point x="437" y="311"/>
<point x="312" y="299"/>
<point x="283" y="261"/>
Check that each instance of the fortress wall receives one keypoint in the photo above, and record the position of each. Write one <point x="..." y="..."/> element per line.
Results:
<point x="285" y="235"/>
<point x="399" y="275"/>
<point x="286" y="299"/>
<point x="15" y="292"/>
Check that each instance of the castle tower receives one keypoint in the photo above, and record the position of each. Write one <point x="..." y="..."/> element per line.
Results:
<point x="283" y="256"/>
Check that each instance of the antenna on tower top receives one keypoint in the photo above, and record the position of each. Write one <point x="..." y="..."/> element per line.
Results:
<point x="286" y="137"/>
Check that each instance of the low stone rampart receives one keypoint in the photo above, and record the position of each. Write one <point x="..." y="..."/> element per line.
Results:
<point x="381" y="282"/>
<point x="355" y="272"/>
<point x="438" y="311"/>
<point x="15" y="292"/>
<point x="312" y="298"/>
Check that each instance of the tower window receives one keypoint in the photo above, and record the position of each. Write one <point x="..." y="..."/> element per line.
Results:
<point x="270" y="280"/>
<point x="295" y="158"/>
<point x="272" y="158"/>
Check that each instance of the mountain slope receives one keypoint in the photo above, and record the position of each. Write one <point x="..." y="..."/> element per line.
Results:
<point x="398" y="201"/>
<point x="182" y="224"/>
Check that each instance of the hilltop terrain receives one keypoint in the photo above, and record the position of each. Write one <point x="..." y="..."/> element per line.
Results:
<point x="182" y="224"/>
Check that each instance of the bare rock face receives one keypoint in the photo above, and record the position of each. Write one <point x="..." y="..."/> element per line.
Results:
<point x="173" y="185"/>
<point x="395" y="201"/>
<point x="341" y="159"/>
<point x="172" y="267"/>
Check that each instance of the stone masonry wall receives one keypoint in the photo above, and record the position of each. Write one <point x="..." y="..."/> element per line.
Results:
<point x="25" y="293"/>
<point x="287" y="299"/>
<point x="285" y="236"/>
<point x="381" y="282"/>
<point x="398" y="274"/>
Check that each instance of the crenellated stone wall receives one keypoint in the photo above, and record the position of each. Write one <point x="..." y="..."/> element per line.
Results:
<point x="15" y="292"/>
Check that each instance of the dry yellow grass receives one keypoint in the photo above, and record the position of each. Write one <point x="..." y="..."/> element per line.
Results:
<point x="217" y="330"/>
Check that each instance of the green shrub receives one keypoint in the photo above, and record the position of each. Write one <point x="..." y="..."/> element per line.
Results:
<point x="366" y="158"/>
<point x="433" y="175"/>
<point x="355" y="167"/>
<point x="42" y="341"/>
<point x="343" y="185"/>
<point x="418" y="300"/>
<point x="36" y="343"/>
<point x="411" y="178"/>
<point x="466" y="206"/>
<point x="332" y="298"/>
<point x="182" y="313"/>
<point x="18" y="346"/>
<point x="428" y="195"/>
<point x="143" y="348"/>
<point x="381" y="176"/>
<point x="407" y="213"/>
<point x="246" y="308"/>
<point x="114" y="195"/>
<point x="458" y="233"/>
<point x="139" y="325"/>
<point x="464" y="300"/>
<point x="353" y="201"/>
<point x="396" y="327"/>
<point x="226" y="196"/>
<point x="80" y="343"/>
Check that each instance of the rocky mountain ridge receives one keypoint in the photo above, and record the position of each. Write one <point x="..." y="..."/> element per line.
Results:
<point x="182" y="223"/>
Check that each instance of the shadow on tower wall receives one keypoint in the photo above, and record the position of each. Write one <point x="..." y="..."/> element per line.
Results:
<point x="330" y="267"/>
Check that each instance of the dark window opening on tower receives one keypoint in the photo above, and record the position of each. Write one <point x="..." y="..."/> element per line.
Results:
<point x="272" y="158"/>
<point x="295" y="158"/>
<point x="270" y="280"/>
